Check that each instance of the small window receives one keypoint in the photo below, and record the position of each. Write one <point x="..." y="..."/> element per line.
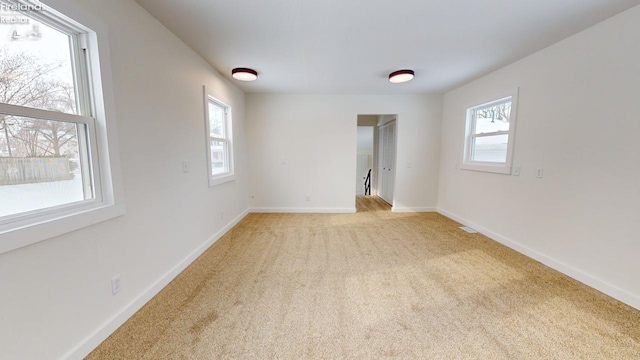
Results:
<point x="489" y="137"/>
<point x="54" y="162"/>
<point x="219" y="140"/>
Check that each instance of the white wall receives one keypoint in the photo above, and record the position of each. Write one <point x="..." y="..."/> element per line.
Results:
<point x="365" y="140"/>
<point x="57" y="292"/>
<point x="577" y="118"/>
<point x="315" y="135"/>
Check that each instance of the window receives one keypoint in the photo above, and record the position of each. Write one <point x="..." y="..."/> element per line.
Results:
<point x="54" y="160"/>
<point x="489" y="136"/>
<point x="219" y="140"/>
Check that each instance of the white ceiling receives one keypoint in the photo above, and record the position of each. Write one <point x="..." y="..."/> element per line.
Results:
<point x="350" y="46"/>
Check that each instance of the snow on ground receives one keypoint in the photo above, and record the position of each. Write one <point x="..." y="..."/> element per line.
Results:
<point x="15" y="199"/>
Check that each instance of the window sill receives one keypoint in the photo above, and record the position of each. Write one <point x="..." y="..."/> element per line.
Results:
<point x="21" y="236"/>
<point x="221" y="179"/>
<point x="488" y="167"/>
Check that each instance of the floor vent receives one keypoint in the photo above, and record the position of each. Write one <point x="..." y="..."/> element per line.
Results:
<point x="468" y="229"/>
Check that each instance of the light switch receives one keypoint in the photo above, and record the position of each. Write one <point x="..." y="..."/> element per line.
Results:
<point x="185" y="166"/>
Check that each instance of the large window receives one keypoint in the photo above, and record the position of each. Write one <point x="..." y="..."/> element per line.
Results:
<point x="219" y="140"/>
<point x="489" y="136"/>
<point x="49" y="119"/>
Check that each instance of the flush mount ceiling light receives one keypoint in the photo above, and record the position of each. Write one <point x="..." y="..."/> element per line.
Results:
<point x="244" y="74"/>
<point x="401" y="76"/>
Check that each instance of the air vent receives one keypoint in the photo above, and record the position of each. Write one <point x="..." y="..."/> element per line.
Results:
<point x="468" y="229"/>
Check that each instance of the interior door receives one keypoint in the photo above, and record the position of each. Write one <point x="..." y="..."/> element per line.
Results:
<point x="386" y="161"/>
<point x="381" y="159"/>
<point x="391" y="159"/>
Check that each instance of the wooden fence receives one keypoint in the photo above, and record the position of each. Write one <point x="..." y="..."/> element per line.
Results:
<point x="14" y="171"/>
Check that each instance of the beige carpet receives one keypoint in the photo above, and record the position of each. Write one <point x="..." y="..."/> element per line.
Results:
<point x="372" y="285"/>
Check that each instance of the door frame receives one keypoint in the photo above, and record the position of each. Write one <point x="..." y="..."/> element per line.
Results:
<point x="375" y="176"/>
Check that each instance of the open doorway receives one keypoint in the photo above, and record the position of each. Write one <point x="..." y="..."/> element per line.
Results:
<point x="375" y="170"/>
<point x="364" y="164"/>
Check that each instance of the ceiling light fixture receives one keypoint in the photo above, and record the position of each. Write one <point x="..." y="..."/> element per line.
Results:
<point x="244" y="74"/>
<point x="401" y="76"/>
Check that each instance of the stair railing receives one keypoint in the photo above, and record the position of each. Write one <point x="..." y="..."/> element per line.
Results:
<point x="367" y="184"/>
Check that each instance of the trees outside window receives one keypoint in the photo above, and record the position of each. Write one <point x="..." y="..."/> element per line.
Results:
<point x="46" y="122"/>
<point x="490" y="135"/>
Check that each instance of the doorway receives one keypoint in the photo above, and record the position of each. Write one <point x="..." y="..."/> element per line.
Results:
<point x="364" y="164"/>
<point x="376" y="155"/>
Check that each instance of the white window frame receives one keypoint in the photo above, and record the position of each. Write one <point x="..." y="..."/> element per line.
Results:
<point x="92" y="72"/>
<point x="493" y="167"/>
<point x="228" y="139"/>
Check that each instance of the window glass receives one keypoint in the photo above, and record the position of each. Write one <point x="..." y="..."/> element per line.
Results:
<point x="35" y="65"/>
<point x="41" y="164"/>
<point x="490" y="148"/>
<point x="44" y="161"/>
<point x="219" y="164"/>
<point x="493" y="118"/>
<point x="216" y="120"/>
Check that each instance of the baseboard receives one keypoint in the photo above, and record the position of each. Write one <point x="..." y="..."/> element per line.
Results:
<point x="396" y="209"/>
<point x="624" y="296"/>
<point x="99" y="335"/>
<point x="303" y="210"/>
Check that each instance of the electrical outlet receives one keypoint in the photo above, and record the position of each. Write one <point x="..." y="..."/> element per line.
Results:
<point x="221" y="215"/>
<point x="539" y="172"/>
<point x="115" y="284"/>
<point x="516" y="171"/>
<point x="409" y="165"/>
<point x="185" y="166"/>
<point x="307" y="198"/>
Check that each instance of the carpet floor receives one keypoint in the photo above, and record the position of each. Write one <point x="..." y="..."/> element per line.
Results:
<point x="371" y="285"/>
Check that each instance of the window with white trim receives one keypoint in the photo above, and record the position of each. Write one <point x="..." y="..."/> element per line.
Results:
<point x="219" y="140"/>
<point x="54" y="161"/>
<point x="489" y="136"/>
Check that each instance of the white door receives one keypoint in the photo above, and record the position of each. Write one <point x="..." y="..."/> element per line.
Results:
<point x="391" y="160"/>
<point x="381" y="159"/>
<point x="361" y="173"/>
<point x="386" y="161"/>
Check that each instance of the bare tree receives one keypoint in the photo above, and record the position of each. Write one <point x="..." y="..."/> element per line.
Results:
<point x="27" y="134"/>
<point x="4" y="126"/>
<point x="498" y="112"/>
<point x="504" y="112"/>
<point x="58" y="135"/>
<point x="26" y="81"/>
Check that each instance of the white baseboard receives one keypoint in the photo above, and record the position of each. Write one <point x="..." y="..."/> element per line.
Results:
<point x="304" y="210"/>
<point x="107" y="328"/>
<point x="396" y="209"/>
<point x="624" y="296"/>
